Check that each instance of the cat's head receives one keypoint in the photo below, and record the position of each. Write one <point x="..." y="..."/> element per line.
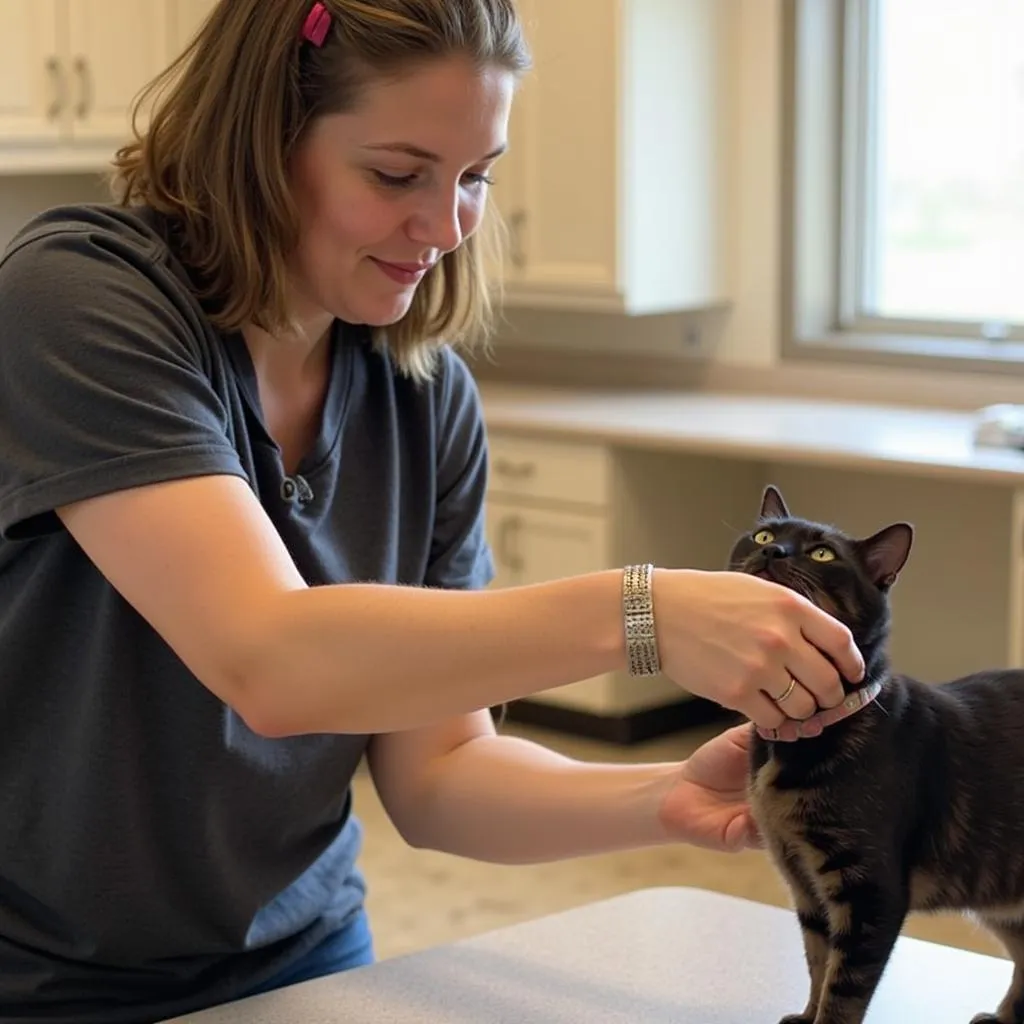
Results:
<point x="847" y="577"/>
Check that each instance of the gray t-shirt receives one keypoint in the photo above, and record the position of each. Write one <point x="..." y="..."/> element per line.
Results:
<point x="156" y="855"/>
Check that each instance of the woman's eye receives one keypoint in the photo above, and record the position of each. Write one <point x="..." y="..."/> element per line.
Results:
<point x="474" y="180"/>
<point x="822" y="553"/>
<point x="395" y="180"/>
<point x="764" y="537"/>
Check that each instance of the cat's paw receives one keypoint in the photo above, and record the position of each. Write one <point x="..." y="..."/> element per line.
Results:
<point x="985" y="1018"/>
<point x="797" y="1018"/>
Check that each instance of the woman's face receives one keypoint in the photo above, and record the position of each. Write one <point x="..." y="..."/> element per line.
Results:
<point x="385" y="190"/>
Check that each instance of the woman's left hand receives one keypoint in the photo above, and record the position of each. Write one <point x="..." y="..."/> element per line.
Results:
<point x="707" y="805"/>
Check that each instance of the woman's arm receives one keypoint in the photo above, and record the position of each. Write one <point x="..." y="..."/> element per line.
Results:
<point x="460" y="788"/>
<point x="201" y="562"/>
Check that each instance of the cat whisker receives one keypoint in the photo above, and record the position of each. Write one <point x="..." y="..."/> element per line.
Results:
<point x="809" y="587"/>
<point x="801" y="583"/>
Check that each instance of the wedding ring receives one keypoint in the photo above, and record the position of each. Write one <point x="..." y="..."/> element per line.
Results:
<point x="789" y="690"/>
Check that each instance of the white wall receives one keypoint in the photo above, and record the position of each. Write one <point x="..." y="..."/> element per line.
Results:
<point x="751" y="334"/>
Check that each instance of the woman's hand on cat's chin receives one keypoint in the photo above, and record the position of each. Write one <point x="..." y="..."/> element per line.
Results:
<point x="707" y="804"/>
<point x="751" y="645"/>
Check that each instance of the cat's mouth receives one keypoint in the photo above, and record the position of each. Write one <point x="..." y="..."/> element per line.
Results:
<point x="793" y="580"/>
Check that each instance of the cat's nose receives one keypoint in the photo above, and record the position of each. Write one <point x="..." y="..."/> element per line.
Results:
<point x="772" y="551"/>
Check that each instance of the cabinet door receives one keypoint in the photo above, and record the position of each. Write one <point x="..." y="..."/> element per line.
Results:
<point x="33" y="86"/>
<point x="185" y="17"/>
<point x="115" y="47"/>
<point x="503" y="525"/>
<point x="532" y="545"/>
<point x="1015" y="622"/>
<point x="557" y="187"/>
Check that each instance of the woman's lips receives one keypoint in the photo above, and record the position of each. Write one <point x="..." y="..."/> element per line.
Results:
<point x="403" y="273"/>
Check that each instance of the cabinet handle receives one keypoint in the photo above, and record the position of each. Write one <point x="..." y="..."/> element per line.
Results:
<point x="516" y="223"/>
<point x="515" y="470"/>
<point x="509" y="528"/>
<point x="85" y="80"/>
<point x="53" y="69"/>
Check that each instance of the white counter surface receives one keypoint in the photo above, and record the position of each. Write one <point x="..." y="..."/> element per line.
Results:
<point x="922" y="442"/>
<point x="656" y="956"/>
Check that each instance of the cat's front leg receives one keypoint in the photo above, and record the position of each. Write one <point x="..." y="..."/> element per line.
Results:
<point x="865" y="919"/>
<point x="1011" y="1009"/>
<point x="813" y="918"/>
<point x="814" y="929"/>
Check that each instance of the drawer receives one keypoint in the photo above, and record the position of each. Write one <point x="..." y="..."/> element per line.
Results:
<point x="550" y="470"/>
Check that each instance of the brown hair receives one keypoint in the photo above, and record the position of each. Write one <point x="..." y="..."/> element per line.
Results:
<point x="226" y="117"/>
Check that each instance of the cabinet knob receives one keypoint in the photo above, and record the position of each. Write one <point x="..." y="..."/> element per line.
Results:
<point x="517" y="250"/>
<point x="515" y="470"/>
<point x="508" y="530"/>
<point x="53" y="69"/>
<point x="85" y="82"/>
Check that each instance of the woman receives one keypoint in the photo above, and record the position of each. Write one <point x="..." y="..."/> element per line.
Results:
<point x="241" y="490"/>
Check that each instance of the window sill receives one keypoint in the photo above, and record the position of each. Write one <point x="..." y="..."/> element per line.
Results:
<point x="961" y="355"/>
<point x="941" y="372"/>
<point x="950" y="359"/>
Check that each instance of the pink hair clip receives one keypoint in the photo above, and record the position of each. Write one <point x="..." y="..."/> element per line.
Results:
<point x="317" y="24"/>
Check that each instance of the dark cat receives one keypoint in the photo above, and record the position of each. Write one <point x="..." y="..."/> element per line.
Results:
<point x="912" y="802"/>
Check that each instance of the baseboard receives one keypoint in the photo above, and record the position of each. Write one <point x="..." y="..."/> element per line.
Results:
<point x="635" y="727"/>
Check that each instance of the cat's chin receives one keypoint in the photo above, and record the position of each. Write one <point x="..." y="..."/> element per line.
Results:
<point x="772" y="577"/>
<point x="782" y="581"/>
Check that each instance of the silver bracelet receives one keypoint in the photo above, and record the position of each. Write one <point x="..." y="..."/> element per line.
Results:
<point x="638" y="615"/>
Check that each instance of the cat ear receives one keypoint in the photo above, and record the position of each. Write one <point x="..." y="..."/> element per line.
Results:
<point x="773" y="506"/>
<point x="886" y="552"/>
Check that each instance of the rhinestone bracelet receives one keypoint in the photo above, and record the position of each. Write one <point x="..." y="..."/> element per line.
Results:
<point x="638" y="614"/>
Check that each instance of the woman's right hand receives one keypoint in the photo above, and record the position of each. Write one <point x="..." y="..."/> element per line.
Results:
<point x="740" y="641"/>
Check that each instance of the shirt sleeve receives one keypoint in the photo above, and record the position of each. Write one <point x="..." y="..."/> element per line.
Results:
<point x="460" y="555"/>
<point x="103" y="380"/>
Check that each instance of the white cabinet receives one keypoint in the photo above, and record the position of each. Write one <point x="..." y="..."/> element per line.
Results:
<point x="558" y="508"/>
<point x="186" y="16"/>
<point x="547" y="518"/>
<point x="70" y="70"/>
<point x="613" y="185"/>
<point x="114" y="47"/>
<point x="31" y="81"/>
<point x="535" y="544"/>
<point x="1015" y="603"/>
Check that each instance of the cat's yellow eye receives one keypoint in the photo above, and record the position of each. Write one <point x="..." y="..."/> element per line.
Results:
<point x="822" y="553"/>
<point x="764" y="537"/>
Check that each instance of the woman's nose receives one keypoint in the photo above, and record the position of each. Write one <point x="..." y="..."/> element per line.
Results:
<point x="438" y="223"/>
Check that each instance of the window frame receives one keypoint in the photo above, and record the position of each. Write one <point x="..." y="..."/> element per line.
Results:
<point x="826" y="107"/>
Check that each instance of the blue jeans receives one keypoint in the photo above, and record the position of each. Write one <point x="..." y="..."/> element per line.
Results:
<point x="351" y="946"/>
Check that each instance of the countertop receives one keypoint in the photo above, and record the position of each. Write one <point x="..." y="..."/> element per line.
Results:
<point x="655" y="956"/>
<point x="921" y="442"/>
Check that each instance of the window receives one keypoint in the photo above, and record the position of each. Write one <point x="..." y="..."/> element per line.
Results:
<point x="906" y="191"/>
